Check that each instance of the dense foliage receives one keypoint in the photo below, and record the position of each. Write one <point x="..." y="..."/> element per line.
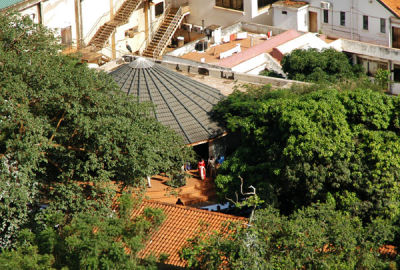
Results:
<point x="88" y="241"/>
<point x="297" y="147"/>
<point x="70" y="140"/>
<point x="317" y="237"/>
<point x="312" y="65"/>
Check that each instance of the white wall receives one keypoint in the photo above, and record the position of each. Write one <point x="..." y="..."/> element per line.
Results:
<point x="293" y="19"/>
<point x="353" y="29"/>
<point x="57" y="14"/>
<point x="207" y="11"/>
<point x="32" y="12"/>
<point x="302" y="19"/>
<point x="94" y="14"/>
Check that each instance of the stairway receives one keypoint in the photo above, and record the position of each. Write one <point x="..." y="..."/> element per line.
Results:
<point x="121" y="17"/>
<point x="165" y="32"/>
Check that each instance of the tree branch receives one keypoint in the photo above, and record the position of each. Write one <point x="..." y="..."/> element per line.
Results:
<point x="58" y="125"/>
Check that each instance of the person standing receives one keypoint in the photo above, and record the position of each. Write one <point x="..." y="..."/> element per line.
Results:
<point x="211" y="167"/>
<point x="201" y="166"/>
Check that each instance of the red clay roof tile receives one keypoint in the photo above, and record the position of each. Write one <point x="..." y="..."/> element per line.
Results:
<point x="392" y="5"/>
<point x="181" y="223"/>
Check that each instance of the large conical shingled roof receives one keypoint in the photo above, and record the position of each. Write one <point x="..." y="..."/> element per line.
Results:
<point x="180" y="102"/>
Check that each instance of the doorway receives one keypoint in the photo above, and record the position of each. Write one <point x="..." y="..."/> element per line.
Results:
<point x="312" y="22"/>
<point x="201" y="151"/>
<point x="396" y="37"/>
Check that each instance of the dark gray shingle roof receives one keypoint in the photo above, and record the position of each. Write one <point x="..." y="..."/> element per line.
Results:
<point x="180" y="102"/>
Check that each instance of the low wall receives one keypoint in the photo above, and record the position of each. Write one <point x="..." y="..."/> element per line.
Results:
<point x="230" y="75"/>
<point x="367" y="49"/>
<point x="261" y="28"/>
<point x="395" y="88"/>
<point x="182" y="61"/>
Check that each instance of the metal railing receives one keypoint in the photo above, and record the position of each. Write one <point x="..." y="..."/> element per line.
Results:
<point x="153" y="29"/>
<point x="168" y="33"/>
<point x="104" y="18"/>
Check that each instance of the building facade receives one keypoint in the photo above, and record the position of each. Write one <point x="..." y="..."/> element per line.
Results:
<point x="228" y="12"/>
<point x="76" y="22"/>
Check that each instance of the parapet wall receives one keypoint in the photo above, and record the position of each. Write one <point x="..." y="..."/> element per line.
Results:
<point x="218" y="72"/>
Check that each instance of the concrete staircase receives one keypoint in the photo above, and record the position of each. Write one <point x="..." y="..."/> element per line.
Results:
<point x="121" y="17"/>
<point x="166" y="31"/>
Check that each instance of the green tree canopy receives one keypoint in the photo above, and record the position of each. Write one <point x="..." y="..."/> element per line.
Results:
<point x="317" y="237"/>
<point x="299" y="147"/>
<point x="67" y="131"/>
<point x="87" y="241"/>
<point x="312" y="65"/>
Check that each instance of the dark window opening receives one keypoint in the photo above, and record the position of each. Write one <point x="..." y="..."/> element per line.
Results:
<point x="383" y="25"/>
<point x="342" y="18"/>
<point x="232" y="4"/>
<point x="203" y="71"/>
<point x="396" y="37"/>
<point x="326" y="16"/>
<point x="396" y="73"/>
<point x="264" y="3"/>
<point x="365" y="22"/>
<point x="284" y="12"/>
<point x="159" y="9"/>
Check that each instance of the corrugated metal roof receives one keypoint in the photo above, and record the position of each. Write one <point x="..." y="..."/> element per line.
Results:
<point x="180" y="102"/>
<point x="8" y="3"/>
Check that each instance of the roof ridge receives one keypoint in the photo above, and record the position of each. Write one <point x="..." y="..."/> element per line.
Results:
<point x="194" y="209"/>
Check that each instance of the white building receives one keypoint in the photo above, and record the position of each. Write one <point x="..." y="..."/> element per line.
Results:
<point x="77" y="21"/>
<point x="228" y="12"/>
<point x="372" y="21"/>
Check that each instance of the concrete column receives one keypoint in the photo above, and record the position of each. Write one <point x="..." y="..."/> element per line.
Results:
<point x="354" y="59"/>
<point x="78" y="23"/>
<point x="391" y="77"/>
<point x="146" y="19"/>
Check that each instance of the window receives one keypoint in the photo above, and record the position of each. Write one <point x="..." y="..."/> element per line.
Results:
<point x="284" y="12"/>
<point x="383" y="25"/>
<point x="326" y="16"/>
<point x="159" y="9"/>
<point x="365" y="22"/>
<point x="264" y="3"/>
<point x="342" y="18"/>
<point x="233" y="4"/>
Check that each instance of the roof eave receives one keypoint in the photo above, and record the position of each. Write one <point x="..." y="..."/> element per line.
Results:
<point x="389" y="9"/>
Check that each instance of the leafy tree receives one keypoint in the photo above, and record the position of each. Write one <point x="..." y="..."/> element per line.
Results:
<point x="382" y="78"/>
<point x="317" y="237"/>
<point x="88" y="241"/>
<point x="312" y="65"/>
<point x="299" y="147"/>
<point x="67" y="131"/>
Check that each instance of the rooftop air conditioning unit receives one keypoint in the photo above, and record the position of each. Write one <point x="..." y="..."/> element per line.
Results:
<point x="325" y="5"/>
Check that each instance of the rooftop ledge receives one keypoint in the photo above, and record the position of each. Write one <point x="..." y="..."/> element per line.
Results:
<point x="230" y="9"/>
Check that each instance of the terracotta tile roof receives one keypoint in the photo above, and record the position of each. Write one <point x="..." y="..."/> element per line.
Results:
<point x="263" y="47"/>
<point x="181" y="223"/>
<point x="392" y="5"/>
<point x="388" y="250"/>
<point x="290" y="3"/>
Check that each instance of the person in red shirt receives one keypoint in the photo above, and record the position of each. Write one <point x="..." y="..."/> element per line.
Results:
<point x="201" y="166"/>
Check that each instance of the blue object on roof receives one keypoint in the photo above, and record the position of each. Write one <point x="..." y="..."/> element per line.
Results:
<point x="8" y="3"/>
